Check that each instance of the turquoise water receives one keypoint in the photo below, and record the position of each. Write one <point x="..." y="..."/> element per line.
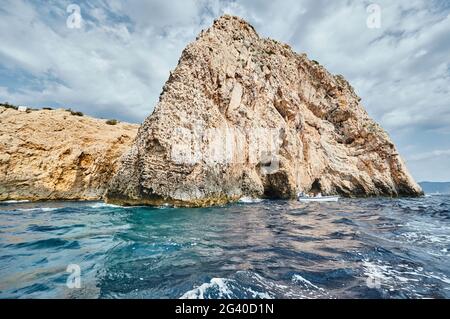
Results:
<point x="371" y="248"/>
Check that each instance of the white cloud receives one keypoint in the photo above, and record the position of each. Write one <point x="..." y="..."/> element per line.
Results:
<point x="432" y="154"/>
<point x="103" y="68"/>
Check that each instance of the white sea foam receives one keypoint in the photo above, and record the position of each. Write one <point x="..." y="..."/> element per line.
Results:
<point x="49" y="209"/>
<point x="259" y="295"/>
<point x="247" y="284"/>
<point x="376" y="271"/>
<point x="298" y="278"/>
<point x="102" y="205"/>
<point x="250" y="200"/>
<point x="219" y="284"/>
<point x="398" y="277"/>
<point x="44" y="209"/>
<point x="14" y="201"/>
<point x="227" y="288"/>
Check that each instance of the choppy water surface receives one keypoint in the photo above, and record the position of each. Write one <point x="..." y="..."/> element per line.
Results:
<point x="372" y="248"/>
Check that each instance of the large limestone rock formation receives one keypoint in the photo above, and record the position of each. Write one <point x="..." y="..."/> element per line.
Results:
<point x="51" y="154"/>
<point x="246" y="116"/>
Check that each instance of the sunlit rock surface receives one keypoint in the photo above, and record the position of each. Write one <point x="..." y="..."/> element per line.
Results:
<point x="51" y="154"/>
<point x="247" y="116"/>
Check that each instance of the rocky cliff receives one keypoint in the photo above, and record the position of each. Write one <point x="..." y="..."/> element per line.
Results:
<point x="247" y="116"/>
<point x="51" y="154"/>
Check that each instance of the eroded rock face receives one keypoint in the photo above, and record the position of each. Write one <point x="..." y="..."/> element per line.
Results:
<point x="246" y="116"/>
<point x="53" y="155"/>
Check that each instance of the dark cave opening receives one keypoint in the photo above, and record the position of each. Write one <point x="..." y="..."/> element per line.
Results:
<point x="316" y="187"/>
<point x="276" y="186"/>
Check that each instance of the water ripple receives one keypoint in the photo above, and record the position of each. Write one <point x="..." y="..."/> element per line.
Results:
<point x="371" y="248"/>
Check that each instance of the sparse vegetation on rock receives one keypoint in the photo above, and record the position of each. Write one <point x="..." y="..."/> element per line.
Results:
<point x="75" y="113"/>
<point x="112" y="122"/>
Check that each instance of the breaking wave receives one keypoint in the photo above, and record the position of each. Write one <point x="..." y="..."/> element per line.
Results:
<point x="250" y="285"/>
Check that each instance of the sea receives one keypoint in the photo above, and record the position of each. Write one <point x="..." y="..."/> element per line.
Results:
<point x="255" y="249"/>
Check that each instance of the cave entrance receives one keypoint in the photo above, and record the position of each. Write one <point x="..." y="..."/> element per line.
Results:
<point x="277" y="186"/>
<point x="316" y="187"/>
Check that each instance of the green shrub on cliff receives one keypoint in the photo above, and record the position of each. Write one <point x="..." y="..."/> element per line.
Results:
<point x="76" y="113"/>
<point x="112" y="122"/>
<point x="9" y="106"/>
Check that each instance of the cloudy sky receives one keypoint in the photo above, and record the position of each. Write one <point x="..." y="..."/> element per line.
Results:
<point x="116" y="63"/>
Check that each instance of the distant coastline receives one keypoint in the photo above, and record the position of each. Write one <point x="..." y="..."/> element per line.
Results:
<point x="435" y="187"/>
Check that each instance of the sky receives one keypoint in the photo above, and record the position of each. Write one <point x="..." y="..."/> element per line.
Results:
<point x="111" y="58"/>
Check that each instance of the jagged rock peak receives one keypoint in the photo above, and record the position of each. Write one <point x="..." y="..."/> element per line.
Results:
<point x="247" y="116"/>
<point x="232" y="25"/>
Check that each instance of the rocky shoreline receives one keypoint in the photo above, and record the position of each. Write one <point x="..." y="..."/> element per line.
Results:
<point x="58" y="154"/>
